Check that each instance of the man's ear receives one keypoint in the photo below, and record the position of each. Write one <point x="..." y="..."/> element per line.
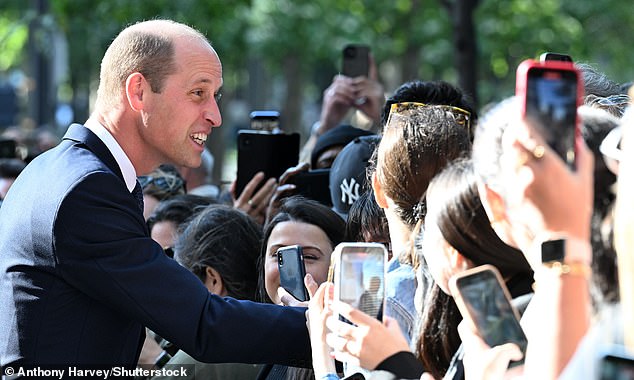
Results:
<point x="134" y="88"/>
<point x="493" y="203"/>
<point x="213" y="282"/>
<point x="379" y="196"/>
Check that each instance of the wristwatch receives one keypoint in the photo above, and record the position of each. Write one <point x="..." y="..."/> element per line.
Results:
<point x="162" y="359"/>
<point x="553" y="250"/>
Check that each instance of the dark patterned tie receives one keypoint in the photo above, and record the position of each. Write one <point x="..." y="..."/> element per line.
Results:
<point x="138" y="194"/>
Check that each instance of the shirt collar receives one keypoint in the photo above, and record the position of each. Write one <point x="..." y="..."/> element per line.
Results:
<point x="127" y="169"/>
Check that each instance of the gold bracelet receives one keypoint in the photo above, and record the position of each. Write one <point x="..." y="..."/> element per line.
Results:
<point x="575" y="268"/>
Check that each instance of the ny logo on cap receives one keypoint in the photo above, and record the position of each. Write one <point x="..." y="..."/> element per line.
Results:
<point x="349" y="190"/>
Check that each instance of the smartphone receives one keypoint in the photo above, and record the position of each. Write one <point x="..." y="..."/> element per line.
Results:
<point x="359" y="276"/>
<point x="616" y="366"/>
<point x="265" y="120"/>
<point x="271" y="153"/>
<point x="290" y="262"/>
<point x="550" y="56"/>
<point x="313" y="184"/>
<point x="550" y="93"/>
<point x="8" y="149"/>
<point x="484" y="301"/>
<point x="355" y="60"/>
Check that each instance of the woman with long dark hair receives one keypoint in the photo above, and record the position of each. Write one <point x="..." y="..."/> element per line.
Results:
<point x="458" y="236"/>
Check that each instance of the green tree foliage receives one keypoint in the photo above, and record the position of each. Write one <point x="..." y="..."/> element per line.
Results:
<point x="298" y="42"/>
<point x="513" y="30"/>
<point x="13" y="37"/>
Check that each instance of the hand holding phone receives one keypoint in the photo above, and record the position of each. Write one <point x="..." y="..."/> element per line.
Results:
<point x="290" y="263"/>
<point x="359" y="276"/>
<point x="550" y="93"/>
<point x="484" y="302"/>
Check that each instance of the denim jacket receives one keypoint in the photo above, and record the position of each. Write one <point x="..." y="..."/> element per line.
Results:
<point x="400" y="286"/>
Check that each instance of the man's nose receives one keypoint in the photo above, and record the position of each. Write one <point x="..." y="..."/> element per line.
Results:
<point x="212" y="114"/>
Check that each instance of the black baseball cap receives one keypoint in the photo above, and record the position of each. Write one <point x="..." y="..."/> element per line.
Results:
<point x="348" y="177"/>
<point x="338" y="136"/>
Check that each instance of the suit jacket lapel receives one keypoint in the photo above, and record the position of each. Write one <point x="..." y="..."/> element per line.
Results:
<point x="83" y="135"/>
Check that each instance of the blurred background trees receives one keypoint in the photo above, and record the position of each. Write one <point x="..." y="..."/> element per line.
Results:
<point x="281" y="54"/>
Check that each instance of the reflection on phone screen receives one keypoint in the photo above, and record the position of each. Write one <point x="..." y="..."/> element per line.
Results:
<point x="362" y="277"/>
<point x="292" y="271"/>
<point x="616" y="367"/>
<point x="551" y="99"/>
<point x="490" y="310"/>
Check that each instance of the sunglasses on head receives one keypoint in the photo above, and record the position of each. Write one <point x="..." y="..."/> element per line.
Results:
<point x="462" y="116"/>
<point x="171" y="184"/>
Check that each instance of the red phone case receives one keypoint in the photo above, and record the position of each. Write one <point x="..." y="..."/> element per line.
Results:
<point x="522" y="77"/>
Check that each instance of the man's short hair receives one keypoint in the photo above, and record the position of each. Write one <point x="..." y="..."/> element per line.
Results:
<point x="146" y="47"/>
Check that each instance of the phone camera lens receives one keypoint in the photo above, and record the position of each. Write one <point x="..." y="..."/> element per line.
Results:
<point x="280" y="260"/>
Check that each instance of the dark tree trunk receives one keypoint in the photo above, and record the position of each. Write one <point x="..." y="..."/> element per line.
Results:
<point x="80" y="101"/>
<point x="410" y="65"/>
<point x="291" y="114"/>
<point x="465" y="45"/>
<point x="41" y="104"/>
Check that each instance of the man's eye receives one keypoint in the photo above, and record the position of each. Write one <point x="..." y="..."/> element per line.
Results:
<point x="217" y="96"/>
<point x="198" y="92"/>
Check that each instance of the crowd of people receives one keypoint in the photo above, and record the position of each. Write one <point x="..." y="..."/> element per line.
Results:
<point x="116" y="249"/>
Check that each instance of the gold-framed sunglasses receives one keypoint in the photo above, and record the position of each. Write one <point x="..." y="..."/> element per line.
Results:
<point x="462" y="116"/>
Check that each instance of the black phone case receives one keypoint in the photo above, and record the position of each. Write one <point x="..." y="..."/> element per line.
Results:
<point x="313" y="184"/>
<point x="292" y="272"/>
<point x="271" y="153"/>
<point x="356" y="61"/>
<point x="7" y="149"/>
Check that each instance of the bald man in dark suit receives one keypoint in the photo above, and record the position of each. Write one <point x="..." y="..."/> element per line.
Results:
<point x="79" y="275"/>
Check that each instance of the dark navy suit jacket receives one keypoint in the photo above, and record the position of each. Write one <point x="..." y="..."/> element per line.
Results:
<point x="80" y="277"/>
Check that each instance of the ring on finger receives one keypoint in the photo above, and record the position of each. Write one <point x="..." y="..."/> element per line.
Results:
<point x="250" y="203"/>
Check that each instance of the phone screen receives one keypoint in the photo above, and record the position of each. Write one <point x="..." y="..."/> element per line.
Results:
<point x="490" y="310"/>
<point x="616" y="366"/>
<point x="551" y="100"/>
<point x="290" y="262"/>
<point x="361" y="278"/>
